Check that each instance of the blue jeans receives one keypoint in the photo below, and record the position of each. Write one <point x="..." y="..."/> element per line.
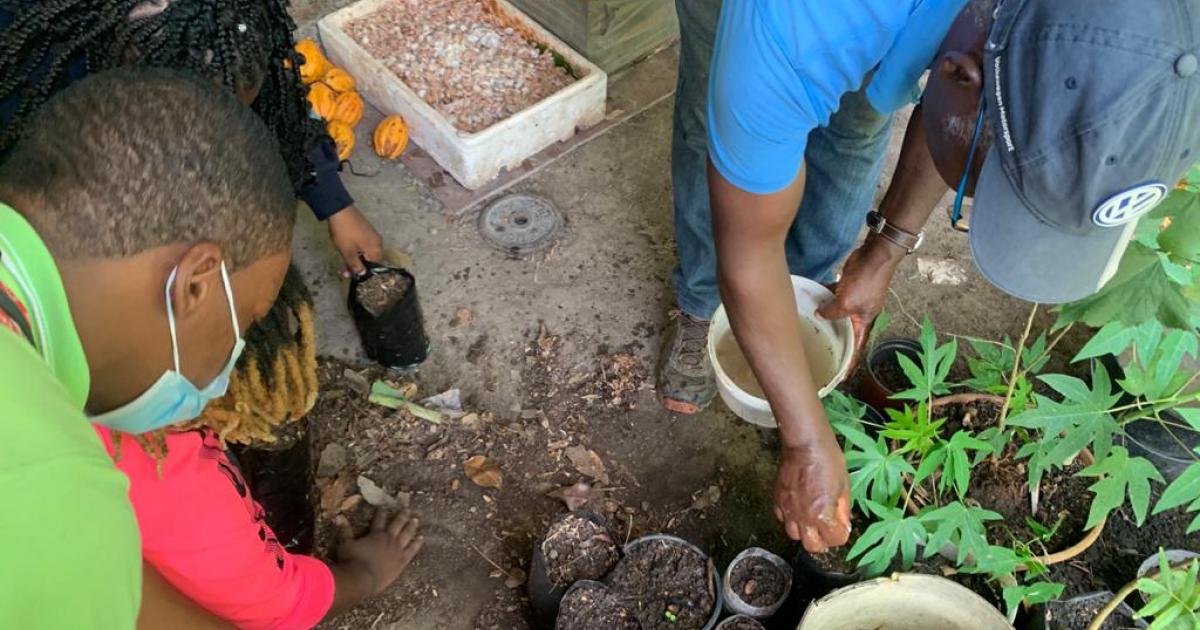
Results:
<point x="844" y="160"/>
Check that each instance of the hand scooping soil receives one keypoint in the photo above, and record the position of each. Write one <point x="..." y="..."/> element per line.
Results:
<point x="578" y="548"/>
<point x="592" y="606"/>
<point x="671" y="586"/>
<point x="382" y="291"/>
<point x="758" y="581"/>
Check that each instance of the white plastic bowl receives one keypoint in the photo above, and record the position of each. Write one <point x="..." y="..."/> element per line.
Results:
<point x="809" y="297"/>
<point x="903" y="602"/>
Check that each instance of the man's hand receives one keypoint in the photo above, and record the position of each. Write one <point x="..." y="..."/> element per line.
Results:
<point x="812" y="495"/>
<point x="862" y="290"/>
<point x="355" y="238"/>
<point x="377" y="559"/>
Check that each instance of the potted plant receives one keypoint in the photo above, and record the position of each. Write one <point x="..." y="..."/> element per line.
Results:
<point x="1172" y="595"/>
<point x="937" y="479"/>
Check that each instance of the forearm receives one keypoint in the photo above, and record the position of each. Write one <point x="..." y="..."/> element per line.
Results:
<point x="915" y="190"/>
<point x="756" y="289"/>
<point x="165" y="607"/>
<point x="352" y="585"/>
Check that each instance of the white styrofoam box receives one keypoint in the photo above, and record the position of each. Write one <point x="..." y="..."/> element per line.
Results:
<point x="473" y="159"/>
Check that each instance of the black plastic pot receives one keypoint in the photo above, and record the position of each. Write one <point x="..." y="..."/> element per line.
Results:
<point x="871" y="389"/>
<point x="818" y="579"/>
<point x="544" y="594"/>
<point x="1162" y="444"/>
<point x="395" y="338"/>
<point x="1089" y="601"/>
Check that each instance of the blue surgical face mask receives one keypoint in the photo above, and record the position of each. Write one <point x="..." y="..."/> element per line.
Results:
<point x="173" y="398"/>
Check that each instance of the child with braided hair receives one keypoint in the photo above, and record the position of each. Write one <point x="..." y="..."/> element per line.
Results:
<point x="201" y="528"/>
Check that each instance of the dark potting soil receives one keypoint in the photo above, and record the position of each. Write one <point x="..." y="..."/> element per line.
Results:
<point x="1000" y="485"/>
<point x="382" y="291"/>
<point x="1076" y="615"/>
<point x="758" y="581"/>
<point x="594" y="607"/>
<point x="578" y="548"/>
<point x="663" y="579"/>
<point x="741" y="623"/>
<point x="890" y="375"/>
<point x="973" y="416"/>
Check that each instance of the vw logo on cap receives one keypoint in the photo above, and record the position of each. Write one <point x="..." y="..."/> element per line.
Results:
<point x="1127" y="206"/>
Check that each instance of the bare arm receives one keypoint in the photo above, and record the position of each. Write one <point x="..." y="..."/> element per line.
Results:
<point x="165" y="607"/>
<point x="812" y="490"/>
<point x="915" y="191"/>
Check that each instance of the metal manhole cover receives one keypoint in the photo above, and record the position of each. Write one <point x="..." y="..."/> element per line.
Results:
<point x="520" y="224"/>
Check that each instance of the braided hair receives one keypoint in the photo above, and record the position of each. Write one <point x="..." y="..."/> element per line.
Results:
<point x="246" y="45"/>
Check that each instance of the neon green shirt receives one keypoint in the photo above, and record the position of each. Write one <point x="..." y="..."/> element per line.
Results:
<point x="69" y="550"/>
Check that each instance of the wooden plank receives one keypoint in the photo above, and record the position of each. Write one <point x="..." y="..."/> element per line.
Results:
<point x="610" y="33"/>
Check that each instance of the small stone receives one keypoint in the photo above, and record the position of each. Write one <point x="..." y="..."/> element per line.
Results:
<point x="333" y="459"/>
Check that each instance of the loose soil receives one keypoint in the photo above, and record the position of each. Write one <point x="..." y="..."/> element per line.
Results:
<point x="577" y="547"/>
<point x="740" y="623"/>
<point x="1068" y="615"/>
<point x="1000" y="486"/>
<point x="382" y="291"/>
<point x="660" y="578"/>
<point x="758" y="581"/>
<point x="594" y="607"/>
<point x="888" y="372"/>
<point x="973" y="416"/>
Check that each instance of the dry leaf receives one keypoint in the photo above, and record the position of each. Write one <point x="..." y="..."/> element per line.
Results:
<point x="587" y="462"/>
<point x="333" y="492"/>
<point x="575" y="496"/>
<point x="350" y="503"/>
<point x="708" y="498"/>
<point x="483" y="472"/>
<point x="516" y="577"/>
<point x="375" y="495"/>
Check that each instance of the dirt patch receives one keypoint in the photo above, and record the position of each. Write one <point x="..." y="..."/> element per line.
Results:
<point x="1073" y="615"/>
<point x="382" y="291"/>
<point x="594" y="607"/>
<point x="740" y="623"/>
<point x="758" y="581"/>
<point x="578" y="547"/>
<point x="973" y="416"/>
<point x="670" y="586"/>
<point x="1000" y="485"/>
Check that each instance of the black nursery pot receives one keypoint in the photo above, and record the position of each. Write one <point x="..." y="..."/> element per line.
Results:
<point x="872" y="389"/>
<point x="396" y="337"/>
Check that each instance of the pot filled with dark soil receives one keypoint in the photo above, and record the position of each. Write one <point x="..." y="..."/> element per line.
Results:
<point x="592" y="605"/>
<point x="577" y="546"/>
<point x="885" y="377"/>
<point x="387" y="313"/>
<point x="756" y="583"/>
<point x="832" y="569"/>
<point x="669" y="583"/>
<point x="1078" y="612"/>
<point x="740" y="622"/>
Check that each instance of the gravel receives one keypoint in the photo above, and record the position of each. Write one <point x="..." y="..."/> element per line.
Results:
<point x="462" y="58"/>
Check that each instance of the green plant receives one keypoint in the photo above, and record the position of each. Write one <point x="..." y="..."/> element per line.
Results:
<point x="1172" y="596"/>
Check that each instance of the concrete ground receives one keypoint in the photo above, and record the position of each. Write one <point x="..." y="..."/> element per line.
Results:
<point x="602" y="288"/>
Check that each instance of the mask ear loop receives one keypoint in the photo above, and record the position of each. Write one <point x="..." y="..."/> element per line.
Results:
<point x="956" y="212"/>
<point x="171" y="318"/>
<point x="237" y="330"/>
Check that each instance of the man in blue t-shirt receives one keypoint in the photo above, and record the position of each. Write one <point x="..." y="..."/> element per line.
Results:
<point x="1092" y="107"/>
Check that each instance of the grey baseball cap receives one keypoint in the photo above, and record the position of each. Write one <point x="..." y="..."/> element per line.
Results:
<point x="1095" y="111"/>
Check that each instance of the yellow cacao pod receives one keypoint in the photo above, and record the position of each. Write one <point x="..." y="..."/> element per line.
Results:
<point x="348" y="108"/>
<point x="343" y="137"/>
<point x="323" y="100"/>
<point x="338" y="80"/>
<point x="315" y="64"/>
<point x="391" y="136"/>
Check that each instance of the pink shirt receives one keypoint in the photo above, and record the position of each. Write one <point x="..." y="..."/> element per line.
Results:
<point x="207" y="536"/>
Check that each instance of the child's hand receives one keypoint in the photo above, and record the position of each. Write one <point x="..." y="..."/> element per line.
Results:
<point x="383" y="553"/>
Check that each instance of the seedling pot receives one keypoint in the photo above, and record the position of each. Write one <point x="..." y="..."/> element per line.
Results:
<point x="740" y="621"/>
<point x="718" y="594"/>
<point x="903" y="602"/>
<point x="545" y="595"/>
<point x="1057" y="611"/>
<point x="736" y="605"/>
<point x="396" y="336"/>
<point x="1162" y="445"/>
<point x="872" y="389"/>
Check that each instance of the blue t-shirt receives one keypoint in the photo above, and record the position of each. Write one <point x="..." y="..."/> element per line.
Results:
<point x="780" y="68"/>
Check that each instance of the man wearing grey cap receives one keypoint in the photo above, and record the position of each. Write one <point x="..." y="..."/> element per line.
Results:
<point x="1065" y="119"/>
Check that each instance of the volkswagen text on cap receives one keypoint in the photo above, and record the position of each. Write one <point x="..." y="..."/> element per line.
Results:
<point x="1095" y="109"/>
